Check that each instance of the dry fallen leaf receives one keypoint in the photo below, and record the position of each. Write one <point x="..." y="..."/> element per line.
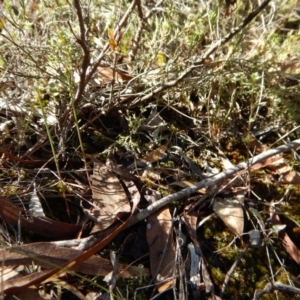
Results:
<point x="162" y="248"/>
<point x="31" y="293"/>
<point x="12" y="286"/>
<point x="154" y="155"/>
<point x="190" y="218"/>
<point x="287" y="243"/>
<point x="106" y="75"/>
<point x="231" y="212"/>
<point x="47" y="255"/>
<point x="292" y="177"/>
<point x="13" y="214"/>
<point x="109" y="198"/>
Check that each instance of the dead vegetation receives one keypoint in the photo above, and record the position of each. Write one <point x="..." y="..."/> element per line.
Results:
<point x="149" y="149"/>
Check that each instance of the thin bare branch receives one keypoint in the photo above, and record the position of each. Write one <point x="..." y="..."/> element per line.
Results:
<point x="142" y="18"/>
<point x="86" y="53"/>
<point x="117" y="34"/>
<point x="232" y="269"/>
<point x="212" y="181"/>
<point x="277" y="286"/>
<point x="206" y="55"/>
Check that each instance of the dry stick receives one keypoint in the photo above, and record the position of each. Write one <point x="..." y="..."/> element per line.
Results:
<point x="117" y="34"/>
<point x="86" y="53"/>
<point x="81" y="86"/>
<point x="205" y="56"/>
<point x="212" y="181"/>
<point x="230" y="272"/>
<point x="85" y="76"/>
<point x="81" y="40"/>
<point x="277" y="286"/>
<point x="142" y="20"/>
<point x="138" y="34"/>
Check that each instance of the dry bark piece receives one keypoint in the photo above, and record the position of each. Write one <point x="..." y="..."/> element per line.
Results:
<point x="162" y="248"/>
<point x="154" y="125"/>
<point x="194" y="273"/>
<point x="10" y="272"/>
<point x="35" y="206"/>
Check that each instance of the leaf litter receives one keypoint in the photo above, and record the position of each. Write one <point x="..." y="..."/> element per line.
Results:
<point x="173" y="137"/>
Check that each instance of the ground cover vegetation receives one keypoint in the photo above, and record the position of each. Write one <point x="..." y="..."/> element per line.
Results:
<point x="149" y="149"/>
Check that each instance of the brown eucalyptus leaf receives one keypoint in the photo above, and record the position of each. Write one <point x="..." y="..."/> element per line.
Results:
<point x="231" y="212"/>
<point x="107" y="75"/>
<point x="287" y="243"/>
<point x="190" y="218"/>
<point x="48" y="256"/>
<point x="36" y="278"/>
<point x="226" y="164"/>
<point x="292" y="177"/>
<point x="154" y="155"/>
<point x="31" y="293"/>
<point x="44" y="226"/>
<point x="162" y="248"/>
<point x="276" y="164"/>
<point x="109" y="198"/>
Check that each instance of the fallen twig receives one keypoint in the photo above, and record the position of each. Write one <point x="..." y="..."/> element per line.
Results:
<point x="277" y="286"/>
<point x="212" y="181"/>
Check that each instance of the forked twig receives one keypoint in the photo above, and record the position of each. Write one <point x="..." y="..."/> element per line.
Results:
<point x="277" y="286"/>
<point x="117" y="35"/>
<point x="206" y="55"/>
<point x="85" y="74"/>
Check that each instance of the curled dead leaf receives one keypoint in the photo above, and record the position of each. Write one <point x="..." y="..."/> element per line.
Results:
<point x="162" y="248"/>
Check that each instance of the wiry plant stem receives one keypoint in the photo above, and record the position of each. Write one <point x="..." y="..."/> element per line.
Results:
<point x="205" y="56"/>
